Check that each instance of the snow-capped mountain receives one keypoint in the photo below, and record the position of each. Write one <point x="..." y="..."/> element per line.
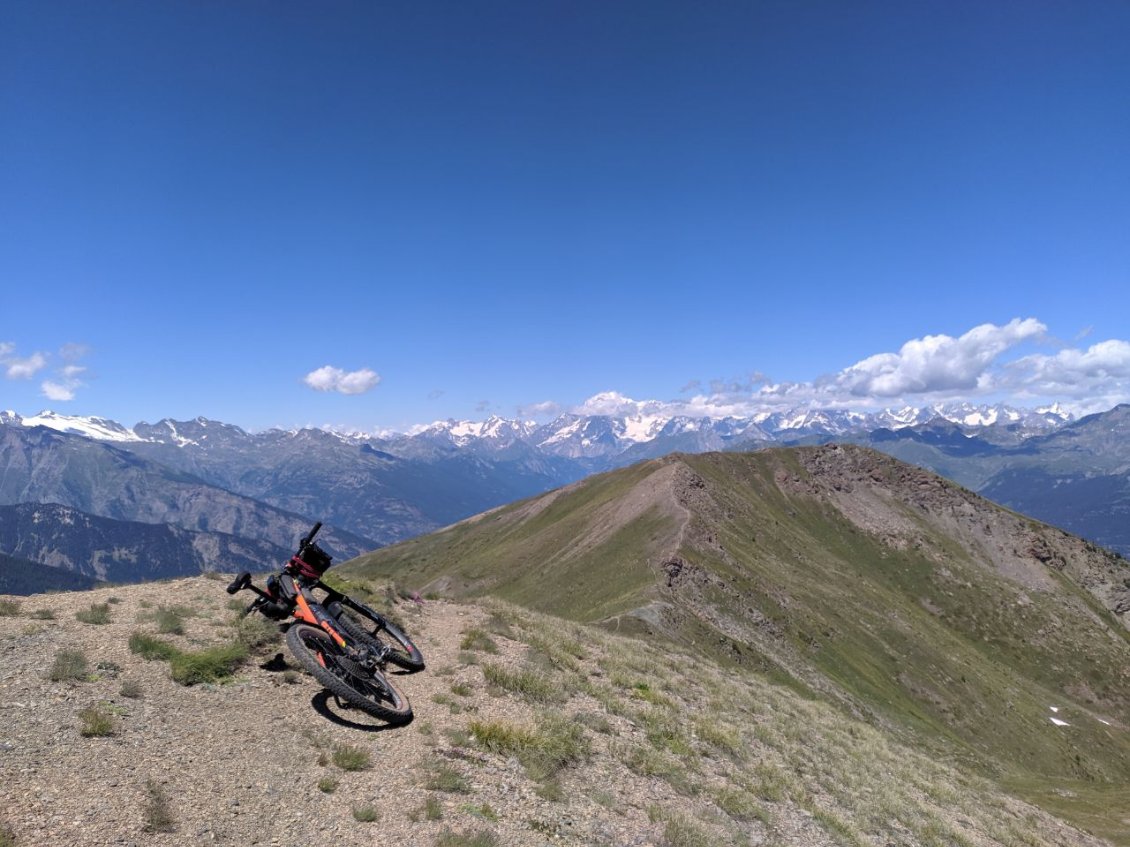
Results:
<point x="262" y="487"/>
<point x="589" y="436"/>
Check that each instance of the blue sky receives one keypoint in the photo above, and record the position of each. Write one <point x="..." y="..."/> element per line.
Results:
<point x="375" y="215"/>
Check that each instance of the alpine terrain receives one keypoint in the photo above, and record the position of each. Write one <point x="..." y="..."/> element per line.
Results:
<point x="917" y="606"/>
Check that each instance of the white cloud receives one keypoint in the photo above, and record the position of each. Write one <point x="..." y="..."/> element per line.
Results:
<point x="329" y="378"/>
<point x="980" y="365"/>
<point x="24" y="368"/>
<point x="938" y="363"/>
<point x="617" y="405"/>
<point x="60" y="391"/>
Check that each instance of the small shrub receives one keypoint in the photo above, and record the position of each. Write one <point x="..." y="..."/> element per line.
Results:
<point x="366" y="814"/>
<point x="9" y="608"/>
<point x="70" y="666"/>
<point x="98" y="613"/>
<point x="131" y="688"/>
<point x="211" y="665"/>
<point x="96" y="722"/>
<point x="351" y="758"/>
<point x="291" y="677"/>
<point x="157" y="811"/>
<point x="150" y="648"/>
<point x="327" y="785"/>
<point x="463" y="689"/>
<point x="43" y="615"/>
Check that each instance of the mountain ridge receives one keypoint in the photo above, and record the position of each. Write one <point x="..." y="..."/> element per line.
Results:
<point x="855" y="577"/>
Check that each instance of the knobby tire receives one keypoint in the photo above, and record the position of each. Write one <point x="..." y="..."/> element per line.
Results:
<point x="403" y="653"/>
<point x="368" y="690"/>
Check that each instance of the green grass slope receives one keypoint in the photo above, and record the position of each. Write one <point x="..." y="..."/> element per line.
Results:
<point x="904" y="598"/>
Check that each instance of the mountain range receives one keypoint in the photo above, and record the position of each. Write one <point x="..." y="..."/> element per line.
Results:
<point x="260" y="491"/>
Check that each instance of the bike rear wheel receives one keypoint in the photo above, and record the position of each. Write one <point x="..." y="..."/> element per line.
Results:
<point x="379" y="632"/>
<point x="366" y="688"/>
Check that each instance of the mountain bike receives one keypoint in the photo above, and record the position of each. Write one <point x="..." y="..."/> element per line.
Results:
<point x="344" y="644"/>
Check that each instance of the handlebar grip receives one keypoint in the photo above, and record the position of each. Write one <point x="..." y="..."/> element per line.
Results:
<point x="310" y="535"/>
<point x="240" y="582"/>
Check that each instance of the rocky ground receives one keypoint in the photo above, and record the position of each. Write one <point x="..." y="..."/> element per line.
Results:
<point x="662" y="754"/>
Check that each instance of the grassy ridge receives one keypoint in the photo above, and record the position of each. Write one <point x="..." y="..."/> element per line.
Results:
<point x="904" y="619"/>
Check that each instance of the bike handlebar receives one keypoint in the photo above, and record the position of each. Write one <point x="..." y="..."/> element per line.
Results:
<point x="240" y="582"/>
<point x="309" y="536"/>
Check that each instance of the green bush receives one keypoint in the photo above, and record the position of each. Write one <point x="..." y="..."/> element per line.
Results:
<point x="210" y="665"/>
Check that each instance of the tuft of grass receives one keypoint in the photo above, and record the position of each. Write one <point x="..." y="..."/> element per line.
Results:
<point x="327" y="785"/>
<point x="157" y="811"/>
<point x="477" y="639"/>
<point x="482" y="838"/>
<point x="96" y="722"/>
<point x="131" y="688"/>
<point x="213" y="664"/>
<point x="291" y="677"/>
<point x="544" y="750"/>
<point x="433" y="808"/>
<point x="170" y="619"/>
<point x="9" y="608"/>
<point x="352" y="758"/>
<point x="446" y="778"/>
<point x="532" y="685"/>
<point x="681" y="831"/>
<point x="98" y="613"/>
<point x="69" y="666"/>
<point x="740" y="805"/>
<point x="463" y="689"/>
<point x="256" y="632"/>
<point x="43" y="615"/>
<point x="150" y="648"/>
<point x="366" y="814"/>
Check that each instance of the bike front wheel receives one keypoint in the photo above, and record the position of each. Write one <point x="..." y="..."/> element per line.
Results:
<point x="376" y="631"/>
<point x="335" y="668"/>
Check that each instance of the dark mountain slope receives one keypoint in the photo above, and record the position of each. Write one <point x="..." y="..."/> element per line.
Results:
<point x="19" y="576"/>
<point x="39" y="465"/>
<point x="66" y="539"/>
<point x="899" y="594"/>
